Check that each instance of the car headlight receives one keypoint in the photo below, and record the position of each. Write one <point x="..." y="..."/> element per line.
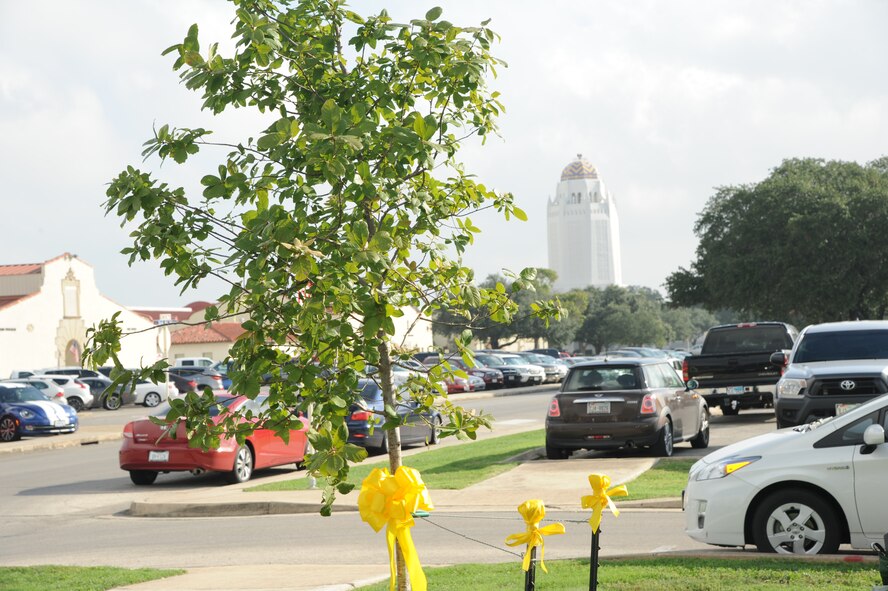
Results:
<point x="25" y="413"/>
<point x="725" y="467"/>
<point x="789" y="387"/>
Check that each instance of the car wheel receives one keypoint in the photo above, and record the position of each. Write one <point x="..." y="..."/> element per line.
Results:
<point x="729" y="411"/>
<point x="243" y="465"/>
<point x="9" y="430"/>
<point x="553" y="452"/>
<point x="75" y="403"/>
<point x="152" y="399"/>
<point x="300" y="465"/>
<point x="665" y="444"/>
<point x="143" y="477"/>
<point x="701" y="441"/>
<point x="796" y="522"/>
<point x="112" y="402"/>
<point x="384" y="444"/>
<point x="432" y="438"/>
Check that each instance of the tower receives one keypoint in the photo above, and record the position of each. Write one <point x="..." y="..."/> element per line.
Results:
<point x="584" y="230"/>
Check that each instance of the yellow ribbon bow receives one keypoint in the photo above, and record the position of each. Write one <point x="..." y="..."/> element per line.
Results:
<point x="533" y="512"/>
<point x="391" y="501"/>
<point x="601" y="498"/>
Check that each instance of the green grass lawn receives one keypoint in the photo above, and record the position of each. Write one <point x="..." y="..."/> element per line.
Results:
<point x="452" y="467"/>
<point x="660" y="574"/>
<point x="666" y="479"/>
<point x="76" y="578"/>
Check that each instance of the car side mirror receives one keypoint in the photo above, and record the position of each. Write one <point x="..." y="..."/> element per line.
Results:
<point x="873" y="437"/>
<point x="692" y="384"/>
<point x="778" y="358"/>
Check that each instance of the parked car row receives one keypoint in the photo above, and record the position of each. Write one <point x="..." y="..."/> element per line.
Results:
<point x="24" y="410"/>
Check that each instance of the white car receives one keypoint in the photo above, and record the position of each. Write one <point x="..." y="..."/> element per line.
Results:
<point x="76" y="392"/>
<point x="802" y="490"/>
<point x="151" y="394"/>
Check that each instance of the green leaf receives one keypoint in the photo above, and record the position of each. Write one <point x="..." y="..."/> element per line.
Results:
<point x="519" y="213"/>
<point x="434" y="13"/>
<point x="268" y="141"/>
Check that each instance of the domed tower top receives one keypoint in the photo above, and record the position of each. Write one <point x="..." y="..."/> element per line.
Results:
<point x="579" y="169"/>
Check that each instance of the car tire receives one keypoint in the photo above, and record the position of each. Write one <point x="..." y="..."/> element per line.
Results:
<point x="112" y="402"/>
<point x="771" y="535"/>
<point x="9" y="430"/>
<point x="301" y="465"/>
<point x="383" y="447"/>
<point x="152" y="399"/>
<point x="553" y="452"/>
<point x="75" y="403"/>
<point x="143" y="477"/>
<point x="243" y="465"/>
<point x="729" y="411"/>
<point x="665" y="444"/>
<point x="701" y="440"/>
<point x="432" y="438"/>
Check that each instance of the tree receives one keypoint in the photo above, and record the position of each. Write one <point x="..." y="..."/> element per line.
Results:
<point x="623" y="315"/>
<point x="348" y="206"/>
<point x="804" y="245"/>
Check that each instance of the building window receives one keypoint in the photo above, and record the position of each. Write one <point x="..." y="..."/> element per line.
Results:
<point x="71" y="296"/>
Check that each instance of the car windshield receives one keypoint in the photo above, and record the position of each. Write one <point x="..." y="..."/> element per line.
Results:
<point x="487" y="360"/>
<point x="508" y="360"/>
<point x="747" y="339"/>
<point x="602" y="378"/>
<point x="851" y="344"/>
<point x="20" y="394"/>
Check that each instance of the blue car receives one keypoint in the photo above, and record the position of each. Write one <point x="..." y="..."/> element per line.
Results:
<point x="365" y="420"/>
<point x="25" y="411"/>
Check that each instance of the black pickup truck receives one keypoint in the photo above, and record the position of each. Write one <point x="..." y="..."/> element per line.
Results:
<point x="734" y="368"/>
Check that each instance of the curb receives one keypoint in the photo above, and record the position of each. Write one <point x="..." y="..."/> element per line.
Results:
<point x="235" y="509"/>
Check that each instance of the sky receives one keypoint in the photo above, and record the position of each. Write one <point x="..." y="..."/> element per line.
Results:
<point x="669" y="100"/>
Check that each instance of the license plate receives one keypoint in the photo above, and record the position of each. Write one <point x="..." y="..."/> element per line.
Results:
<point x="60" y="423"/>
<point x="158" y="456"/>
<point x="735" y="389"/>
<point x="842" y="408"/>
<point x="598" y="408"/>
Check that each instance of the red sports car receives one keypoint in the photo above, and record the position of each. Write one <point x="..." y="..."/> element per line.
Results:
<point x="148" y="450"/>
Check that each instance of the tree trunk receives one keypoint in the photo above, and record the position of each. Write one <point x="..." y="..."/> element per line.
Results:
<point x="394" y="439"/>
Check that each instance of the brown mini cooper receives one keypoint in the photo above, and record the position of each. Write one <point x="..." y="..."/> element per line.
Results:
<point x="625" y="403"/>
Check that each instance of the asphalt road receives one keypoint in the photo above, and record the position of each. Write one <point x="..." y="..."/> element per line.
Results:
<point x="65" y="506"/>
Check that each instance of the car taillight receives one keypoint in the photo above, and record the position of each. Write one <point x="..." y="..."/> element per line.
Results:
<point x="82" y="385"/>
<point x="554" y="409"/>
<point x="684" y="370"/>
<point x="192" y="384"/>
<point x="647" y="405"/>
<point x="60" y="395"/>
<point x="216" y="377"/>
<point x="361" y="415"/>
<point x="128" y="430"/>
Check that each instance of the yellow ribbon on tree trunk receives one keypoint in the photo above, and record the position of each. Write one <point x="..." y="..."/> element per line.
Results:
<point x="533" y="512"/>
<point x="390" y="501"/>
<point x="601" y="498"/>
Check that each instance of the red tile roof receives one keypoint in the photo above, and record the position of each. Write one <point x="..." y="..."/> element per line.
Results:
<point x="9" y="300"/>
<point x="20" y="269"/>
<point x="219" y="332"/>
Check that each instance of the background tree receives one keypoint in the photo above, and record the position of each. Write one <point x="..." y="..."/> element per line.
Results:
<point x="803" y="245"/>
<point x="625" y="316"/>
<point x="348" y="206"/>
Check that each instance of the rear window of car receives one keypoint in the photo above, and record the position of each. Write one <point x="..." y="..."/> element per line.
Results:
<point x="839" y="345"/>
<point x="603" y="378"/>
<point x="746" y="339"/>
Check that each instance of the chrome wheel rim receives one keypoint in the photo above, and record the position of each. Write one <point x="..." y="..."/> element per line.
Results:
<point x="795" y="528"/>
<point x="152" y="399"/>
<point x="7" y="429"/>
<point x="243" y="464"/>
<point x="667" y="438"/>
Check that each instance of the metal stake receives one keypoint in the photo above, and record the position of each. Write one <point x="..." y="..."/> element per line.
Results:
<point x="593" y="562"/>
<point x="530" y="575"/>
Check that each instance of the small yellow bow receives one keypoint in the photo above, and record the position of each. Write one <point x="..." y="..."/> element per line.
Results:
<point x="391" y="501"/>
<point x="533" y="512"/>
<point x="601" y="498"/>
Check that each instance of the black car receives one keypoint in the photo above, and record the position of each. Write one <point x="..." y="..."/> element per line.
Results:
<point x="366" y="418"/>
<point x="626" y="403"/>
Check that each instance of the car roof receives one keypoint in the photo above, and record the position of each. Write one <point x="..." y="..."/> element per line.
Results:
<point x="848" y="326"/>
<point x="623" y="361"/>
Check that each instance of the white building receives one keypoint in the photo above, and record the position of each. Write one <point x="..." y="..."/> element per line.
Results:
<point x="584" y="230"/>
<point x="46" y="308"/>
